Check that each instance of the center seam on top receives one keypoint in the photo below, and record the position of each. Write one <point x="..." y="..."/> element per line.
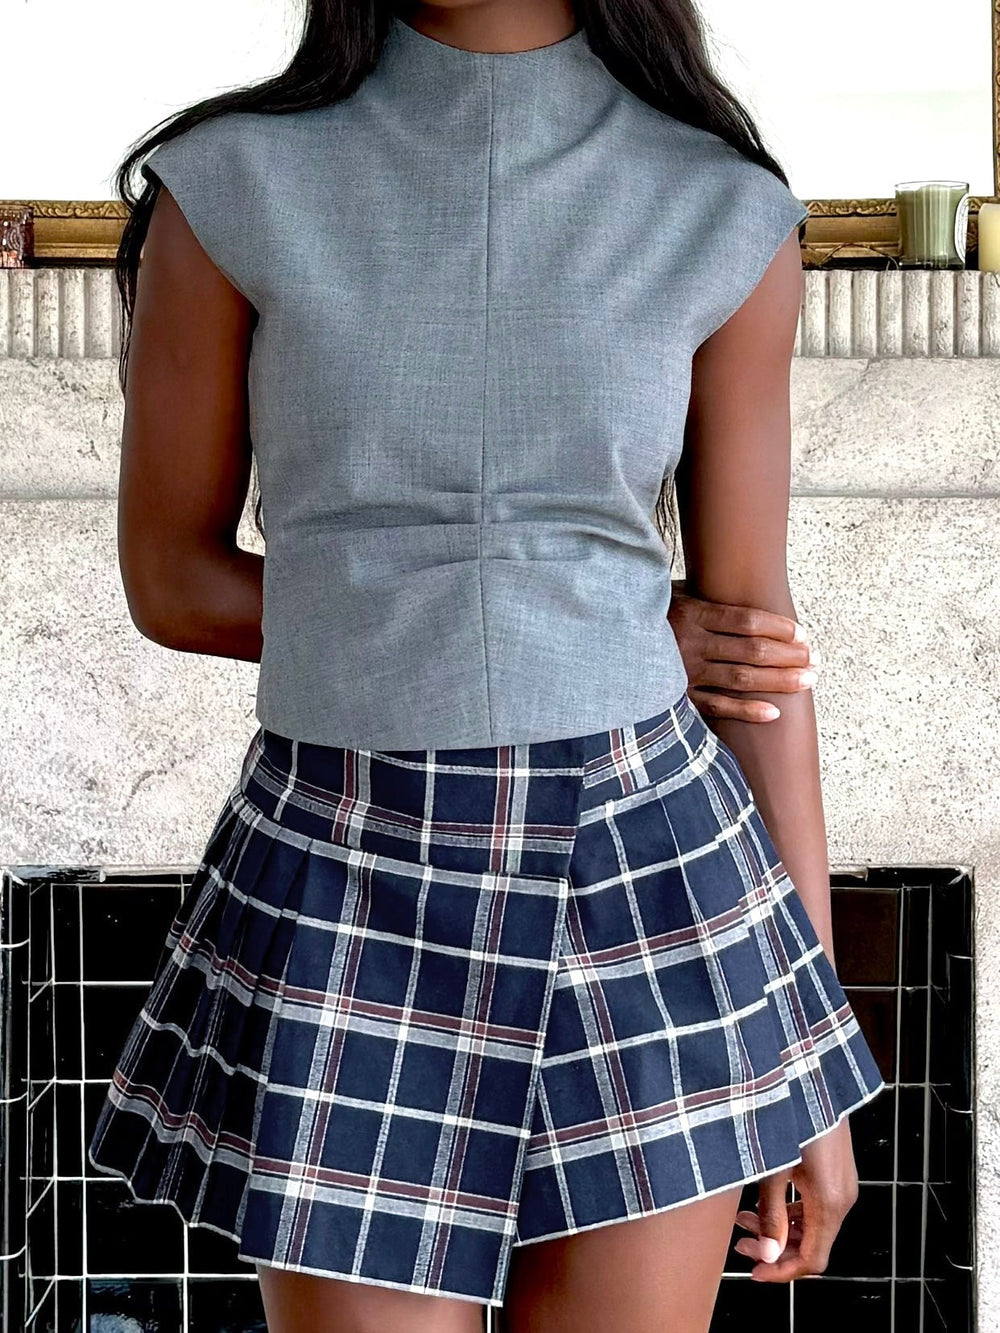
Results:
<point x="482" y="455"/>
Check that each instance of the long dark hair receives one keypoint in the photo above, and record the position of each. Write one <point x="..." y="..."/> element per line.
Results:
<point x="655" y="48"/>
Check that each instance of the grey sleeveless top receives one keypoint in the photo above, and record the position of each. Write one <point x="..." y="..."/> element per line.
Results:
<point x="480" y="280"/>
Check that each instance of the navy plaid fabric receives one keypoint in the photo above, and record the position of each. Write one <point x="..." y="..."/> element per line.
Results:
<point x="419" y="1007"/>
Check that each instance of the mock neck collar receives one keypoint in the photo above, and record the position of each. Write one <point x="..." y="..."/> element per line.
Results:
<point x="446" y="100"/>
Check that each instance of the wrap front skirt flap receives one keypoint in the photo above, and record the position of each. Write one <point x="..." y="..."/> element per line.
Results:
<point x="419" y="1007"/>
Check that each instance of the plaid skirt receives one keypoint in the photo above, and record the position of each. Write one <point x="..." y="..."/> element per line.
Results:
<point x="419" y="1007"/>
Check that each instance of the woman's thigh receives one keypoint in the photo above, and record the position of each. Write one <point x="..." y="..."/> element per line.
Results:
<point x="300" y="1303"/>
<point x="655" y="1274"/>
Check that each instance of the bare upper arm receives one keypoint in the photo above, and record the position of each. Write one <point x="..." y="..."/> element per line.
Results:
<point x="185" y="463"/>
<point x="733" y="478"/>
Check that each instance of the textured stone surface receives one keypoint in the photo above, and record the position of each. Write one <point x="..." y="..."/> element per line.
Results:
<point x="61" y="425"/>
<point x="71" y="312"/>
<point x="116" y="750"/>
<point x="896" y="427"/>
<point x="902" y="599"/>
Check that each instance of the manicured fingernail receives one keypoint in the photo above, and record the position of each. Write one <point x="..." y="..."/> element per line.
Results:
<point x="769" y="1249"/>
<point x="770" y="712"/>
<point x="815" y="657"/>
<point x="800" y="635"/>
<point x="808" y="678"/>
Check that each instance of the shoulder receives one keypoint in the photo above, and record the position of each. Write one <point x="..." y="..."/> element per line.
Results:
<point x="730" y="213"/>
<point x="236" y="177"/>
<point x="209" y="169"/>
<point x="222" y="143"/>
<point x="232" y="142"/>
<point x="747" y="191"/>
<point x="707" y="164"/>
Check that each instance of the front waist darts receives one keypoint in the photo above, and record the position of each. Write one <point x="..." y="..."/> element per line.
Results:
<point x="408" y="638"/>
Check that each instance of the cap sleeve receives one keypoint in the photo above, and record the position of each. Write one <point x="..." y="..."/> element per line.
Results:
<point x="203" y="168"/>
<point x="753" y="214"/>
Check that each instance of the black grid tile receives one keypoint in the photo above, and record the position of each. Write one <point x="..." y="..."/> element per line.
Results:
<point x="149" y="1303"/>
<point x="41" y="1142"/>
<point x="914" y="1036"/>
<point x="877" y="1011"/>
<point x="865" y="1241"/>
<point x="910" y="1231"/>
<point x="212" y="1254"/>
<point x="79" y="947"/>
<point x="108" y="1014"/>
<point x="873" y="1136"/>
<point x="219" y="1306"/>
<point x="126" y="1237"/>
<point x="69" y="1202"/>
<point x="834" y="1304"/>
<point x="118" y="945"/>
<point x="69" y="1305"/>
<point x="770" y="1303"/>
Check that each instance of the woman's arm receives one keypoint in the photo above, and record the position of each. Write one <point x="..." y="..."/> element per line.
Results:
<point x="732" y="495"/>
<point x="185" y="463"/>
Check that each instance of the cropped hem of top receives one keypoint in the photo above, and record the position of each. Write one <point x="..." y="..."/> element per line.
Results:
<point x="480" y="280"/>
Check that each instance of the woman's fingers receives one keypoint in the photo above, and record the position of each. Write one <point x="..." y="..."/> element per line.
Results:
<point x="706" y="678"/>
<point x="758" y="651"/>
<point x="807" y="1227"/>
<point x="724" y="705"/>
<point x="731" y="652"/>
<point x="739" y="675"/>
<point x="749" y="621"/>
<point x="773" y="1230"/>
<point x="790" y="1240"/>
<point x="809" y="1244"/>
<point x="749" y="1221"/>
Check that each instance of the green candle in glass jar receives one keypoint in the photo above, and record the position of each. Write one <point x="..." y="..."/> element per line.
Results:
<point x="933" y="222"/>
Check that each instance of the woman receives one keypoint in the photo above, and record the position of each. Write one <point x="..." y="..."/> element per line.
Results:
<point x="490" y="947"/>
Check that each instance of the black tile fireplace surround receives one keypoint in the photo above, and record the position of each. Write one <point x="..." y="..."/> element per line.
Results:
<point x="78" y="1255"/>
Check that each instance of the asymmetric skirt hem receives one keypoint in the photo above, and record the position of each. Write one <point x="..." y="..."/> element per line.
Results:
<point x="705" y="1194"/>
<point x="517" y="1244"/>
<point x="271" y="1262"/>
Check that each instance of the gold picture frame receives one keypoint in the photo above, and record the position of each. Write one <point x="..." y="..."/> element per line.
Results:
<point x="86" y="232"/>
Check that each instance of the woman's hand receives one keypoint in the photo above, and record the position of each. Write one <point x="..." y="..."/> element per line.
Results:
<point x="740" y="648"/>
<point x="794" y="1239"/>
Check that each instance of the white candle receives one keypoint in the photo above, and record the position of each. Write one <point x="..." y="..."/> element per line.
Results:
<point x="989" y="238"/>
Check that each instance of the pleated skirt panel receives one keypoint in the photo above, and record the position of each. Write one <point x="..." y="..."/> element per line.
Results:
<point x="419" y="1007"/>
